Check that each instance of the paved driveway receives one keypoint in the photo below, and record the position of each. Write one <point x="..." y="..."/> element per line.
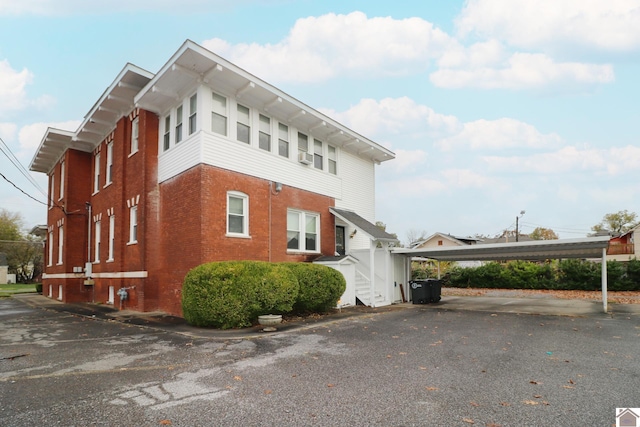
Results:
<point x="409" y="367"/>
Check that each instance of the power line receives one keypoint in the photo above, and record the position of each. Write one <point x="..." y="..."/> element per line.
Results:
<point x="22" y="191"/>
<point x="14" y="160"/>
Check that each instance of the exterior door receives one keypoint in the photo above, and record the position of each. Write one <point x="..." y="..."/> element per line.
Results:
<point x="341" y="246"/>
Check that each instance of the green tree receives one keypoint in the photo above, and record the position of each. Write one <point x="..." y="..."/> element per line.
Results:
<point x="617" y="222"/>
<point x="23" y="251"/>
<point x="541" y="233"/>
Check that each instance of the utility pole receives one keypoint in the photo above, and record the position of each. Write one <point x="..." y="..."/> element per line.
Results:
<point x="517" y="218"/>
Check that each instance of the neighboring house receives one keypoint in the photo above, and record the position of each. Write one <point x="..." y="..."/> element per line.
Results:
<point x="442" y="240"/>
<point x="202" y="162"/>
<point x="4" y="269"/>
<point x="623" y="247"/>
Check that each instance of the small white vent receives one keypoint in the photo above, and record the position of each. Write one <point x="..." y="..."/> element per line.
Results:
<point x="305" y="158"/>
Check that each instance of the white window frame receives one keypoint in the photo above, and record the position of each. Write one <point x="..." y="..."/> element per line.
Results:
<point x="96" y="241"/>
<point x="301" y="229"/>
<point x="179" y="127"/>
<point x="318" y="154"/>
<point x="50" y="249"/>
<point x="60" y="243"/>
<point x="133" y="225"/>
<point x="193" y="114"/>
<point x="242" y="123"/>
<point x="96" y="173"/>
<point x="62" y="171"/>
<point x="220" y="111"/>
<point x="112" y="236"/>
<point x="109" y="170"/>
<point x="302" y="149"/>
<point x="264" y="132"/>
<point x="135" y="136"/>
<point x="332" y="159"/>
<point x="52" y="189"/>
<point x="245" y="214"/>
<point x="166" y="135"/>
<point x="283" y="137"/>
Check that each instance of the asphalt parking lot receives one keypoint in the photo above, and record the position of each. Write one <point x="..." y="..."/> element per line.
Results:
<point x="410" y="366"/>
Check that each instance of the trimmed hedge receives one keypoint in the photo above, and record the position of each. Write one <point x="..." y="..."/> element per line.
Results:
<point x="320" y="286"/>
<point x="569" y="274"/>
<point x="232" y="294"/>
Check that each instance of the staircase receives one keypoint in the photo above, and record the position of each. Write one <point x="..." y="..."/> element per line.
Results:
<point x="363" y="291"/>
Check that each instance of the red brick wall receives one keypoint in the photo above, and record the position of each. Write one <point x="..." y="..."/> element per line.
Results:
<point x="193" y="217"/>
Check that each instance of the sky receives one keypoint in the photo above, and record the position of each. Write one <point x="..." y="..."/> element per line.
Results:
<point x="492" y="107"/>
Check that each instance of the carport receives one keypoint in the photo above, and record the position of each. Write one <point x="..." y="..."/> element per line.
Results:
<point x="585" y="248"/>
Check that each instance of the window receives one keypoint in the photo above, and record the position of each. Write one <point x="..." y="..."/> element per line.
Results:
<point x="439" y="242"/>
<point x="96" y="173"/>
<point x="112" y="236"/>
<point x="237" y="213"/>
<point x="61" y="195"/>
<point x="303" y="231"/>
<point x="96" y="240"/>
<point x="317" y="154"/>
<point x="52" y="189"/>
<point x="264" y="135"/>
<point x="50" y="247"/>
<point x="60" y="243"/>
<point x="133" y="224"/>
<point x="135" y="131"/>
<point x="167" y="133"/>
<point x="283" y="140"/>
<point x="332" y="160"/>
<point x="219" y="115"/>
<point x="193" y="109"/>
<point x="303" y="143"/>
<point x="244" y="128"/>
<point x="179" y="124"/>
<point x="109" y="164"/>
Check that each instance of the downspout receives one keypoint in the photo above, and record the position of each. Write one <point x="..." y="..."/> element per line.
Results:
<point x="372" y="272"/>
<point x="88" y="206"/>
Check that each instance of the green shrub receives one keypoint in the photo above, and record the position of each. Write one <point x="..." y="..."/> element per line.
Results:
<point x="633" y="274"/>
<point x="320" y="286"/>
<point x="39" y="288"/>
<point x="232" y="294"/>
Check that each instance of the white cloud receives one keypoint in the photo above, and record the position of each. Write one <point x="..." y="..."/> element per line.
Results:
<point x="466" y="178"/>
<point x="497" y="135"/>
<point x="8" y="131"/>
<point x="318" y="48"/>
<point x="396" y="116"/>
<point x="31" y="135"/>
<point x="406" y="161"/>
<point x="520" y="71"/>
<point x="13" y="94"/>
<point x="596" y="24"/>
<point x="611" y="161"/>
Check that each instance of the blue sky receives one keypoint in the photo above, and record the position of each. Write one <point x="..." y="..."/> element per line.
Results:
<point x="491" y="106"/>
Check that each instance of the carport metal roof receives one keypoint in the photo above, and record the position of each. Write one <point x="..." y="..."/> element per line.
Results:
<point x="591" y="247"/>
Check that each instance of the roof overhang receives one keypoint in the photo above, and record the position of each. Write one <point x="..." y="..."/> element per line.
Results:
<point x="590" y="247"/>
<point x="115" y="102"/>
<point x="369" y="229"/>
<point x="193" y="65"/>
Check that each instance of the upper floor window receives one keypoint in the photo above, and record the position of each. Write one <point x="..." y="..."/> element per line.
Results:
<point x="303" y="231"/>
<point x="133" y="224"/>
<point x="264" y="135"/>
<point x="219" y="114"/>
<point x="52" y="188"/>
<point x="283" y="140"/>
<point x="60" y="243"/>
<point x="96" y="241"/>
<point x="244" y="125"/>
<point x="193" y="110"/>
<point x="237" y="213"/>
<point x="317" y="154"/>
<point x="50" y="248"/>
<point x="332" y="159"/>
<point x="135" y="131"/>
<point x="166" y="142"/>
<point x="61" y="195"/>
<point x="112" y="236"/>
<point x="96" y="173"/>
<point x="179" y="124"/>
<point x="109" y="164"/>
<point x="303" y="143"/>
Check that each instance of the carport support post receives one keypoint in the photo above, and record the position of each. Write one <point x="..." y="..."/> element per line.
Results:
<point x="604" y="279"/>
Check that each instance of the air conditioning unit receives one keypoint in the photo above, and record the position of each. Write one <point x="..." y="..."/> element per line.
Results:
<point x="305" y="158"/>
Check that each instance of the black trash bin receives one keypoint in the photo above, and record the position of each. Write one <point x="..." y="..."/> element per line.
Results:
<point x="426" y="291"/>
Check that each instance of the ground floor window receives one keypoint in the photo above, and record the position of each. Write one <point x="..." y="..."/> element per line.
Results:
<point x="303" y="231"/>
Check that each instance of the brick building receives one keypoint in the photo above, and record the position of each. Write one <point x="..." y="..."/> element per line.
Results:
<point x="199" y="162"/>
